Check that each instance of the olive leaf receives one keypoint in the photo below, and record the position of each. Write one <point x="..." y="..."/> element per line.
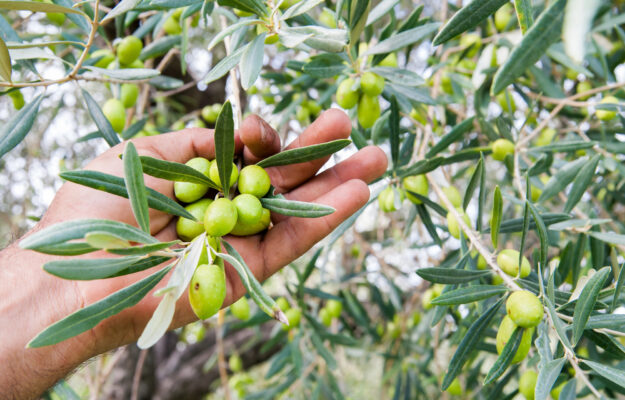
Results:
<point x="547" y="377"/>
<point x="304" y="154"/>
<point x="103" y="124"/>
<point x="586" y="302"/>
<point x="466" y="18"/>
<point x="454" y="135"/>
<point x="450" y="276"/>
<point x="468" y="294"/>
<point x="495" y="221"/>
<point x="505" y="358"/>
<point x="296" y="208"/>
<point x="83" y="270"/>
<point x="224" y="146"/>
<point x="174" y="171"/>
<point x="135" y="186"/>
<point x="16" y="128"/>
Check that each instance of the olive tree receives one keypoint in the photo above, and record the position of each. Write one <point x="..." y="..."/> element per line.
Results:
<point x="488" y="260"/>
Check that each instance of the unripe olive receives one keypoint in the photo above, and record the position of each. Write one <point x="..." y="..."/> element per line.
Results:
<point x="312" y="106"/>
<point x="272" y="38"/>
<point x="453" y="195"/>
<point x="241" y="229"/>
<point x="455" y="389"/>
<point x="105" y="55"/>
<point x="546" y="137"/>
<point x="452" y="223"/>
<point x="334" y="308"/>
<point x="481" y="262"/>
<point x="371" y="83"/>
<point x="468" y="66"/>
<point x="114" y="111"/>
<point x="525" y="309"/>
<point x="188" y="229"/>
<point x="427" y="298"/>
<point x="283" y="303"/>
<point x="501" y="148"/>
<point x="416" y="318"/>
<point x="214" y="174"/>
<point x="136" y="64"/>
<point x="497" y="280"/>
<point x="506" y="102"/>
<point x="417" y="184"/>
<point x="254" y="180"/>
<point x="555" y="392"/>
<point x="327" y="18"/>
<point x="446" y="83"/>
<point x="241" y="309"/>
<point x="503" y="16"/>
<point x="347" y="94"/>
<point x="325" y="317"/>
<point x="368" y="110"/>
<point x="582" y="87"/>
<point x="210" y="113"/>
<point x="129" y="94"/>
<point x="172" y="26"/>
<point x="508" y="261"/>
<point x="606" y="115"/>
<point x="235" y="363"/>
<point x="293" y="315"/>
<point x="302" y="114"/>
<point x="393" y="329"/>
<point x="207" y="290"/>
<point x="189" y="191"/>
<point x="389" y="61"/>
<point x="386" y="199"/>
<point x="17" y="98"/>
<point x="527" y="384"/>
<point x="471" y="39"/>
<point x="505" y="332"/>
<point x="288" y="3"/>
<point x="249" y="209"/>
<point x="220" y="217"/>
<point x="129" y="50"/>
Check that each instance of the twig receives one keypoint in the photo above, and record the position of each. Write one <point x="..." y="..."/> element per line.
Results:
<point x="137" y="377"/>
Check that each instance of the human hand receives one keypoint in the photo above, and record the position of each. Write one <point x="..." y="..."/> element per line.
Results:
<point x="342" y="187"/>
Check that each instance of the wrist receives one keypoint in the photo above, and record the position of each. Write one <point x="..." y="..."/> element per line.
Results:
<point x="32" y="300"/>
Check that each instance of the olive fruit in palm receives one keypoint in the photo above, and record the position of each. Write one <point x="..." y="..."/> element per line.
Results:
<point x="188" y="229"/>
<point x="452" y="223"/>
<point x="368" y="110"/>
<point x="254" y="180"/>
<point x="241" y="309"/>
<point x="508" y="261"/>
<point x="235" y="363"/>
<point x="241" y="229"/>
<point x="115" y="113"/>
<point x="334" y="308"/>
<point x="249" y="209"/>
<point x="220" y="217"/>
<point x="506" y="328"/>
<point x="17" y="98"/>
<point x="189" y="191"/>
<point x="129" y="50"/>
<point x="501" y="148"/>
<point x="347" y="94"/>
<point x="213" y="174"/>
<point x="211" y="112"/>
<point x="524" y="308"/>
<point x="527" y="384"/>
<point x="371" y="83"/>
<point x="606" y="115"/>
<point x="417" y="184"/>
<point x="293" y="315"/>
<point x="207" y="290"/>
<point x="129" y="94"/>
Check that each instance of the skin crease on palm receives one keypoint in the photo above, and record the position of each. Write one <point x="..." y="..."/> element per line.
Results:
<point x="32" y="299"/>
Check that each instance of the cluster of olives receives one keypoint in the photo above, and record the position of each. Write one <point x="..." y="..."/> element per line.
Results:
<point x="414" y="183"/>
<point x="331" y="311"/>
<point x="524" y="311"/>
<point x="293" y="314"/>
<point x="243" y="215"/>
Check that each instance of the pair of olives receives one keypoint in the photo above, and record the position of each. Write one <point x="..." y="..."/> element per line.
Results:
<point x="349" y="94"/>
<point x="415" y="184"/>
<point x="242" y="216"/>
<point x="524" y="311"/>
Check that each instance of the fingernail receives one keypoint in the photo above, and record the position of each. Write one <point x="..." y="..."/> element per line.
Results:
<point x="263" y="132"/>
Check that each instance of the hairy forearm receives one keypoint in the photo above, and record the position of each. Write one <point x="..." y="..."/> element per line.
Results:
<point x="30" y="300"/>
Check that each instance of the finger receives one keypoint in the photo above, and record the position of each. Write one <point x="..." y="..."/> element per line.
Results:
<point x="259" y="138"/>
<point x="367" y="164"/>
<point x="331" y="125"/>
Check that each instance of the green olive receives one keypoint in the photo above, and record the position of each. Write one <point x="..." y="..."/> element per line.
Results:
<point x="471" y="39"/>
<point x="555" y="392"/>
<point x="249" y="209"/>
<point x="302" y="114"/>
<point x="427" y="298"/>
<point x="503" y="16"/>
<point x="455" y="389"/>
<point x="207" y="290"/>
<point x="241" y="229"/>
<point x="254" y="180"/>
<point x="214" y="174"/>
<point x="136" y="64"/>
<point x="241" y="309"/>
<point x="188" y="229"/>
<point x="172" y="26"/>
<point x="506" y="102"/>
<point x="502" y="148"/>
<point x="17" y="98"/>
<point x="114" y="111"/>
<point x="389" y="61"/>
<point x="313" y="107"/>
<point x="525" y="309"/>
<point x="235" y="363"/>
<point x="327" y="18"/>
<point x="546" y="137"/>
<point x="334" y="307"/>
<point x="220" y="217"/>
<point x="129" y="50"/>
<point x="505" y="332"/>
<point x="129" y="94"/>
<point x="417" y="184"/>
<point x="105" y="57"/>
<point x="583" y="87"/>
<point x="293" y="315"/>
<point x="325" y="317"/>
<point x="371" y="84"/>
<point x="189" y="191"/>
<point x="453" y="195"/>
<point x="393" y="329"/>
<point x="386" y="199"/>
<point x="452" y="223"/>
<point x="446" y="83"/>
<point x="210" y="113"/>
<point x="368" y="110"/>
<point x="347" y="94"/>
<point x="527" y="384"/>
<point x="508" y="261"/>
<point x="481" y="262"/>
<point x="283" y="303"/>
<point x="606" y="115"/>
